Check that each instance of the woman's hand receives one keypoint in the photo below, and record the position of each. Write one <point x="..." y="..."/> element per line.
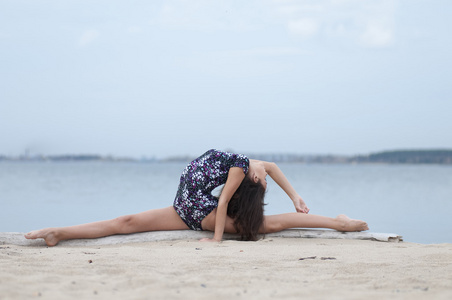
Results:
<point x="300" y="206"/>
<point x="277" y="175"/>
<point x="208" y="240"/>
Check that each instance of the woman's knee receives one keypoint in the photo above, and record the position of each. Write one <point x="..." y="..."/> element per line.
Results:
<point x="124" y="224"/>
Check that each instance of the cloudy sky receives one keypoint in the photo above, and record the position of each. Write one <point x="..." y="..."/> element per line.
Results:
<point x="158" y="78"/>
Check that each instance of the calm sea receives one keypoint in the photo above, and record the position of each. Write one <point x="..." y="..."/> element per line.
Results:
<point x="411" y="200"/>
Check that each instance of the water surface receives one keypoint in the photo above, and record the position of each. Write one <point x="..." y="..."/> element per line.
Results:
<point x="411" y="200"/>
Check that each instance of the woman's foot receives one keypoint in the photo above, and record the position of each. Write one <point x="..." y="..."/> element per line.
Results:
<point x="347" y="224"/>
<point x="49" y="235"/>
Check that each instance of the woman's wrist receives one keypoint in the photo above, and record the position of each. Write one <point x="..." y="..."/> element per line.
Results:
<point x="296" y="197"/>
<point x="217" y="237"/>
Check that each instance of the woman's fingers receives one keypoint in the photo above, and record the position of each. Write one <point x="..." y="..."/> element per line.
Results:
<point x="208" y="240"/>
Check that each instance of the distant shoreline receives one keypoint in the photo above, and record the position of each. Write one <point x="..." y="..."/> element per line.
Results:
<point x="443" y="157"/>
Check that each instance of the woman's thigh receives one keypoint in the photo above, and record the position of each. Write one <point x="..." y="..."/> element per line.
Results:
<point x="157" y="219"/>
<point x="208" y="223"/>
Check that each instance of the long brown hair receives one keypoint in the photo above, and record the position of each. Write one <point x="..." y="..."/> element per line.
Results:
<point x="246" y="207"/>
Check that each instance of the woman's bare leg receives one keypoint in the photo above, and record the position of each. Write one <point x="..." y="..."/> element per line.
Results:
<point x="275" y="223"/>
<point x="151" y="220"/>
<point x="208" y="223"/>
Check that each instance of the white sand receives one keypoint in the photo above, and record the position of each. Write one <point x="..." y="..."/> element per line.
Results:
<point x="188" y="269"/>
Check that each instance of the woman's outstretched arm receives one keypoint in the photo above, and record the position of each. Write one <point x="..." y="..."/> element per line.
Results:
<point x="235" y="177"/>
<point x="278" y="176"/>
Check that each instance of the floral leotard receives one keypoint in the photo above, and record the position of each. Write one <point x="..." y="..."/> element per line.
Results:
<point x="194" y="200"/>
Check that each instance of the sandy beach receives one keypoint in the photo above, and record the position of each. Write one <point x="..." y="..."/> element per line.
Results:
<point x="289" y="268"/>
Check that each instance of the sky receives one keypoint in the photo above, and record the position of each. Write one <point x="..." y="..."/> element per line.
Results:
<point x="163" y="78"/>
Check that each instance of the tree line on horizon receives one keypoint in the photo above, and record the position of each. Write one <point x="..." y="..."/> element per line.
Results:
<point x="408" y="157"/>
<point x="388" y="157"/>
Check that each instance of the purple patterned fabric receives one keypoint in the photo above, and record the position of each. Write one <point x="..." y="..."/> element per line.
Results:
<point x="194" y="200"/>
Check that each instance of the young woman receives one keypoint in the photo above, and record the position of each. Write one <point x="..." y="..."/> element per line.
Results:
<point x="239" y="208"/>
